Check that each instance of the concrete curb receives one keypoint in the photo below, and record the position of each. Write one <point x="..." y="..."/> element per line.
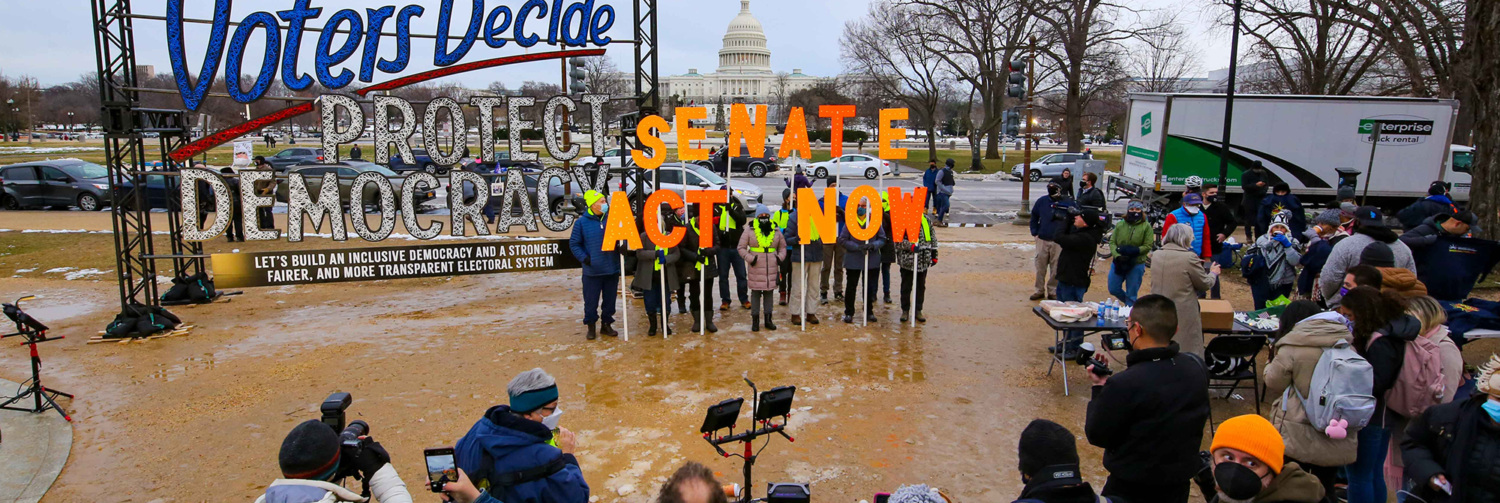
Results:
<point x="956" y="224"/>
<point x="33" y="452"/>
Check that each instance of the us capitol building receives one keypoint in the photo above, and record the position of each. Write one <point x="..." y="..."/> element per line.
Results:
<point x="744" y="74"/>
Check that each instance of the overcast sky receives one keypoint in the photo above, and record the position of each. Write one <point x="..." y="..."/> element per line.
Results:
<point x="53" y="40"/>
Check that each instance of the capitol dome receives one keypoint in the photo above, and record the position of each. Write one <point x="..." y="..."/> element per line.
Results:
<point x="744" y="48"/>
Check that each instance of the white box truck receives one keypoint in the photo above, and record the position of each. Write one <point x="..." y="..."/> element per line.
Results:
<point x="1312" y="143"/>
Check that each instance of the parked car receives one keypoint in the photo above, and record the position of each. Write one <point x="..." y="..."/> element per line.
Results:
<point x="56" y="184"/>
<point x="347" y="171"/>
<point x="755" y="166"/>
<point x="697" y="178"/>
<point x="1049" y="165"/>
<point x="502" y="162"/>
<point x="611" y="158"/>
<point x="422" y="162"/>
<point x="852" y="165"/>
<point x="557" y="201"/>
<point x="293" y="156"/>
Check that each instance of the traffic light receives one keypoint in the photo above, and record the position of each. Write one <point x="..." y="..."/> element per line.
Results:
<point x="1013" y="122"/>
<point x="576" y="83"/>
<point x="1017" y="78"/>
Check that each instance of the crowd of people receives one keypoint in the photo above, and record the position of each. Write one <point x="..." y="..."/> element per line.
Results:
<point x="763" y="251"/>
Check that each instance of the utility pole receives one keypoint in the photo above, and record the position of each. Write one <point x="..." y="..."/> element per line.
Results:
<point x="1234" y="54"/>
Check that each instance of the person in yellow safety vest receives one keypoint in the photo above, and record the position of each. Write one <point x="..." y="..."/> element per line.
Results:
<point x="780" y="220"/>
<point x="808" y="261"/>
<point x="698" y="268"/>
<point x="915" y="259"/>
<point x="651" y="263"/>
<point x="731" y="228"/>
<point x="763" y="249"/>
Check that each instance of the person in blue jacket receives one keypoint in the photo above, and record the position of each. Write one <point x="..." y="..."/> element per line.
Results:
<point x="1282" y="199"/>
<point x="601" y="269"/>
<point x="929" y="180"/>
<point x="1045" y="225"/>
<point x="518" y="453"/>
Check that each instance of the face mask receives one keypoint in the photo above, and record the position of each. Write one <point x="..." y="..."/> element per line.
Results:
<point x="1213" y="199"/>
<point x="551" y="421"/>
<point x="1236" y="481"/>
<point x="1193" y="210"/>
<point x="1133" y="217"/>
<point x="1343" y="291"/>
<point x="861" y="212"/>
<point x="604" y="209"/>
<point x="1493" y="408"/>
<point x="764" y="219"/>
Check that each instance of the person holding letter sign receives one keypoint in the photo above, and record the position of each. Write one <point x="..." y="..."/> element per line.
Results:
<point x="861" y="259"/>
<point x="601" y="269"/>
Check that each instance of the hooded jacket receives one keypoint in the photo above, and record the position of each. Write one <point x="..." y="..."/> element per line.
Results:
<point x="1423" y="235"/>
<point x="1281" y="258"/>
<point x="1386" y="354"/>
<point x="1297" y="355"/>
<point x="762" y="267"/>
<point x="1137" y="237"/>
<point x="1423" y="209"/>
<point x="502" y="443"/>
<point x="1451" y="439"/>
<point x="1401" y="282"/>
<point x="587" y="245"/>
<point x="1045" y="223"/>
<point x="1274" y="204"/>
<point x="1079" y="248"/>
<point x="1345" y="254"/>
<point x="1292" y="485"/>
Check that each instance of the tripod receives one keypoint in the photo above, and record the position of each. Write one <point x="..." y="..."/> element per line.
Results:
<point x="761" y="417"/>
<point x="35" y="333"/>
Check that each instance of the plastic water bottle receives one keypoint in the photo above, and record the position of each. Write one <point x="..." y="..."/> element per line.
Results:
<point x="1109" y="310"/>
<point x="1099" y="318"/>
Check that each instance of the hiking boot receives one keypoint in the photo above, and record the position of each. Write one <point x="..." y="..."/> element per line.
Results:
<point x="838" y="295"/>
<point x="848" y="319"/>
<point x="870" y="318"/>
<point x="888" y="298"/>
<point x="591" y="335"/>
<point x="796" y="321"/>
<point x="745" y="304"/>
<point x="770" y="325"/>
<point x="697" y="323"/>
<point x="651" y="331"/>
<point x="920" y="318"/>
<point x="1038" y="296"/>
<point x="783" y="299"/>
<point x="608" y="330"/>
<point x="754" y="324"/>
<point x="724" y="306"/>
<point x="904" y="317"/>
<point x="712" y="329"/>
<point x="812" y="318"/>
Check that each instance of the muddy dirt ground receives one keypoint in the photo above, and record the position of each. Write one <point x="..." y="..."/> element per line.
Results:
<point x="201" y="417"/>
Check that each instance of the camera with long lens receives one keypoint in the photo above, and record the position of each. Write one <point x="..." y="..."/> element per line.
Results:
<point x="353" y="438"/>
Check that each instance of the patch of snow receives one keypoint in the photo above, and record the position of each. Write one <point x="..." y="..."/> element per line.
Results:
<point x="19" y="271"/>
<point x="81" y="274"/>
<point x="58" y="270"/>
<point x="47" y="150"/>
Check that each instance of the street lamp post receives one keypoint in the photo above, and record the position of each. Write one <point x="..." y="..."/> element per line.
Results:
<point x="70" y="121"/>
<point x="1234" y="54"/>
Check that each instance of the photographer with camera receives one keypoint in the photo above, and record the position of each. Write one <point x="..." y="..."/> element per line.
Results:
<point x="315" y="456"/>
<point x="1244" y="464"/>
<point x="1049" y="466"/>
<point x="518" y="452"/>
<point x="1149" y="417"/>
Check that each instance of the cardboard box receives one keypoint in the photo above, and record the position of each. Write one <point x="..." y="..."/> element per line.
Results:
<point x="1216" y="314"/>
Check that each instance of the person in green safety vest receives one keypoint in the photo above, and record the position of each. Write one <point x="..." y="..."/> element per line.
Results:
<point x="915" y="258"/>
<point x="763" y="249"/>
<point x="780" y="219"/>
<point x="698" y="268"/>
<point x="731" y="227"/>
<point x="651" y="263"/>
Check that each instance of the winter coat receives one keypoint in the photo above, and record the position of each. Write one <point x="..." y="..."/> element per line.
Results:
<point x="587" y="245"/>
<point x="502" y="443"/>
<point x="1423" y="209"/>
<point x="1274" y="204"/>
<point x="1457" y="440"/>
<point x="1291" y="485"/>
<point x="945" y="181"/>
<point x="1254" y="194"/>
<point x="1092" y="197"/>
<point x="1453" y="362"/>
<point x="858" y="254"/>
<point x="1177" y="273"/>
<point x="814" y="250"/>
<point x="1386" y="355"/>
<point x="801" y="181"/>
<point x="646" y="274"/>
<point x="736" y="222"/>
<point x="1297" y="355"/>
<point x="888" y="251"/>
<point x="1079" y="248"/>
<point x="1423" y="235"/>
<point x="926" y="251"/>
<point x="1281" y="259"/>
<point x="691" y="259"/>
<point x="1137" y="237"/>
<point x="1201" y="231"/>
<point x="1045" y="222"/>
<point x="1065" y="183"/>
<point x="1312" y="264"/>
<point x="763" y="266"/>
<point x="1071" y="490"/>
<point x="1345" y="254"/>
<point x="1149" y="417"/>
<point x="929" y="179"/>
<point x="385" y="486"/>
<point x="1221" y="220"/>
<point x="1401" y="282"/>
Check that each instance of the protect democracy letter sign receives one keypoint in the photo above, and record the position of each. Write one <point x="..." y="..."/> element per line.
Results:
<point x="239" y="270"/>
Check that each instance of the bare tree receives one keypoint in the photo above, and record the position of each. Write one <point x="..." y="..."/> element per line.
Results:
<point x="886" y="53"/>
<point x="603" y="76"/>
<point x="1476" y="60"/>
<point x="1085" y="43"/>
<point x="1162" y="60"/>
<point x="1305" y="47"/>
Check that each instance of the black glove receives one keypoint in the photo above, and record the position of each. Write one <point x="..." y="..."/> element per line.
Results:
<point x="587" y="261"/>
<point x="1129" y="250"/>
<point x="371" y="459"/>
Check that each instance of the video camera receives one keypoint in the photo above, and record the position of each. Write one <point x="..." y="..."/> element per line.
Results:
<point x="353" y="438"/>
<point x="1087" y="356"/>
